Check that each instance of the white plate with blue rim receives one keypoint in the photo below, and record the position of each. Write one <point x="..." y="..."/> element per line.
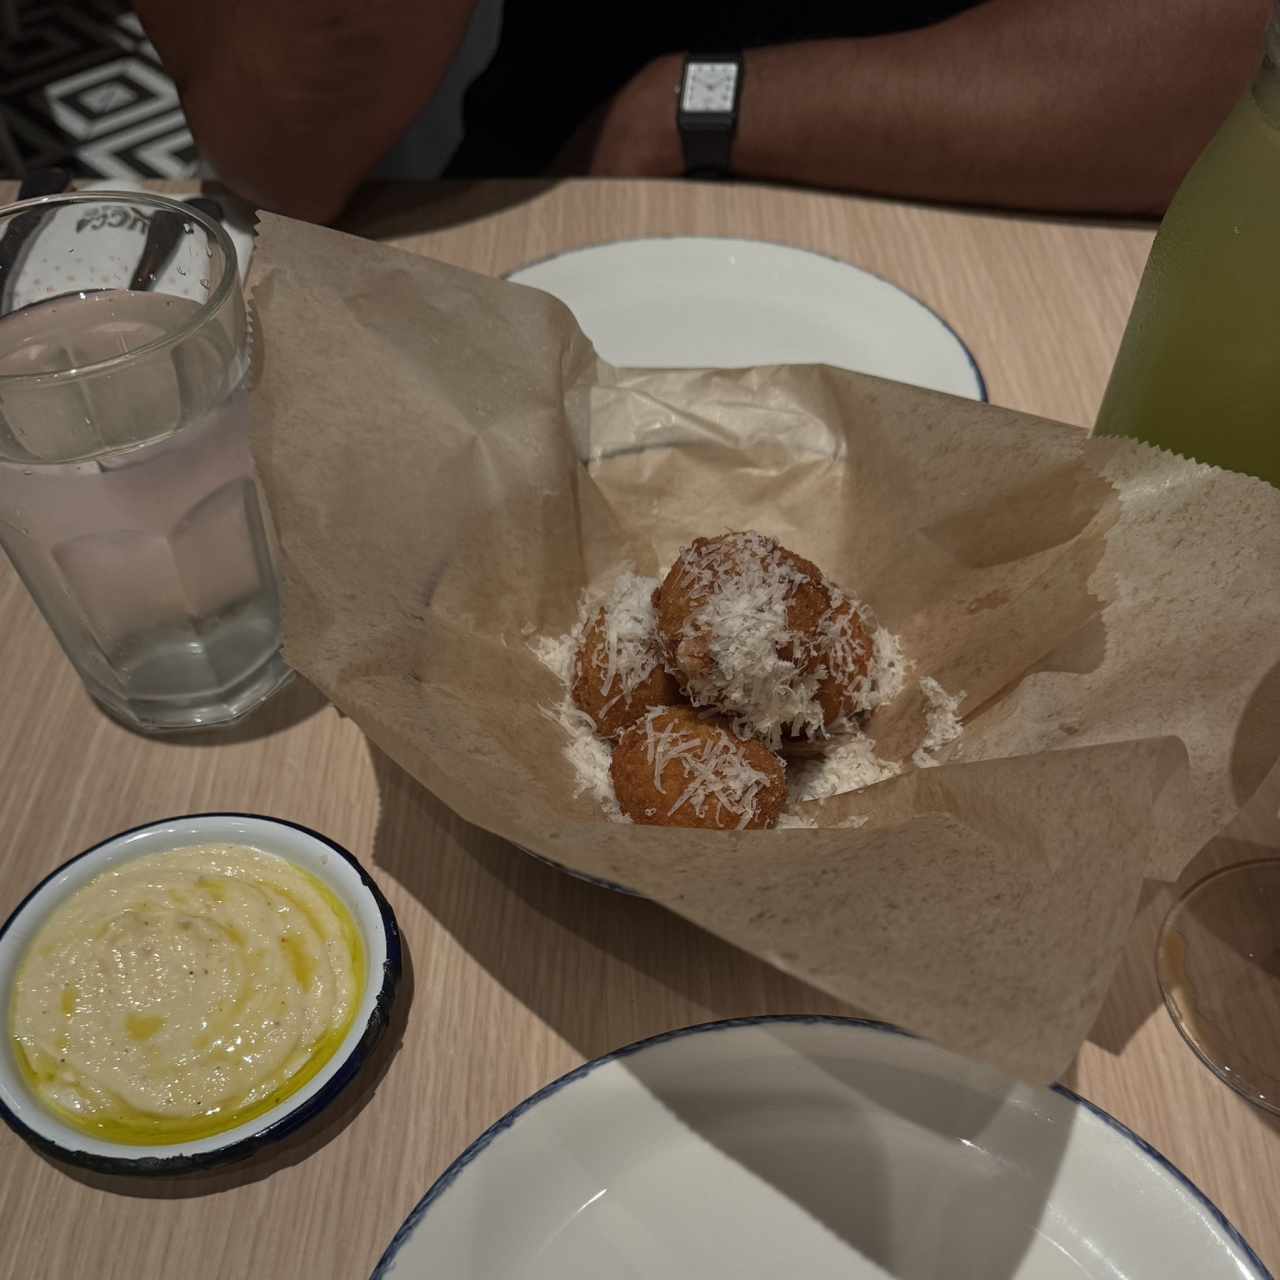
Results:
<point x="824" y="1147"/>
<point x="717" y="302"/>
<point x="337" y="869"/>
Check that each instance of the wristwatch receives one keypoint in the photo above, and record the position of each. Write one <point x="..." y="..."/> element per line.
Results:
<point x="707" y="112"/>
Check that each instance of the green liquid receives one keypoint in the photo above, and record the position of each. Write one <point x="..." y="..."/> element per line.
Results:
<point x="1198" y="370"/>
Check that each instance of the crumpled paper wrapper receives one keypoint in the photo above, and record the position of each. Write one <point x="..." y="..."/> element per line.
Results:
<point x="449" y="465"/>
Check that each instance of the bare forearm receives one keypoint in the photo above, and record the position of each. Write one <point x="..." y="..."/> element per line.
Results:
<point x="303" y="102"/>
<point x="1090" y="105"/>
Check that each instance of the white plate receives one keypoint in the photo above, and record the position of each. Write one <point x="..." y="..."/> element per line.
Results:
<point x="690" y="302"/>
<point x="772" y="1148"/>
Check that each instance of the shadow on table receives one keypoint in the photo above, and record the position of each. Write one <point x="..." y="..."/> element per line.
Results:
<point x="969" y="1212"/>
<point x="1255" y="753"/>
<point x="601" y="968"/>
<point x="387" y="210"/>
<point x="1134" y="994"/>
<point x="384" y="209"/>
<point x="316" y="1133"/>
<point x="296" y="702"/>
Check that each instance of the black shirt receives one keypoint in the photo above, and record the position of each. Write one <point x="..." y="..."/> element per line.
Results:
<point x="557" y="60"/>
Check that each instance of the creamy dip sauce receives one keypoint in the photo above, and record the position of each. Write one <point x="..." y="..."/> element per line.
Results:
<point x="182" y="993"/>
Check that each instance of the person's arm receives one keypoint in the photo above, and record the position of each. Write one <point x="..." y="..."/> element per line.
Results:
<point x="294" y="101"/>
<point x="1084" y="105"/>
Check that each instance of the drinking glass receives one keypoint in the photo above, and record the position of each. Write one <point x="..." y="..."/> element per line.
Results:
<point x="1197" y="374"/>
<point x="128" y="500"/>
<point x="1218" y="961"/>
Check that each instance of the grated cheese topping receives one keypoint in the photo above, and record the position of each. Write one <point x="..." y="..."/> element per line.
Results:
<point x="587" y="755"/>
<point x="739" y="622"/>
<point x="737" y="650"/>
<point x="743" y="623"/>
<point x="630" y="653"/>
<point x="942" y="721"/>
<point x="888" y="674"/>
<point x="714" y="767"/>
<point x="848" y="765"/>
<point x="795" y="821"/>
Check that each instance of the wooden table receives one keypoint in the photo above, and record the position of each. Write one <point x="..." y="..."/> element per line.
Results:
<point x="519" y="972"/>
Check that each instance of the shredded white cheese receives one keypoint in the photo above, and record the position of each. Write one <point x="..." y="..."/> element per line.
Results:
<point x="728" y="653"/>
<point x="942" y="723"/>
<point x="738" y="651"/>
<point x="630" y="651"/>
<point x="714" y="768"/>
<point x="556" y="653"/>
<point x="888" y="674"/>
<point x="795" y="820"/>
<point x="587" y="755"/>
<point x="847" y="765"/>
<point x="739" y="626"/>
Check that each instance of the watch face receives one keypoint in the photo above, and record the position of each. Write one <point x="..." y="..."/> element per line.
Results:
<point x="709" y="86"/>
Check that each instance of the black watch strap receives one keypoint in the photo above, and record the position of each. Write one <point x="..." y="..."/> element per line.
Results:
<point x="708" y="150"/>
<point x="706" y="137"/>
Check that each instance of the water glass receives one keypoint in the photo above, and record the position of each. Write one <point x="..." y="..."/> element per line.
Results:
<point x="128" y="501"/>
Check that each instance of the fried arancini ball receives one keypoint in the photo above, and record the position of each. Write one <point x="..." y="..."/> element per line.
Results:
<point x="674" y="768"/>
<point x="617" y="669"/>
<point x="758" y="633"/>
<point x="847" y="651"/>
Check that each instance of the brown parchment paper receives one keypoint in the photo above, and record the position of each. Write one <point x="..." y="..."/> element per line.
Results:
<point x="448" y="465"/>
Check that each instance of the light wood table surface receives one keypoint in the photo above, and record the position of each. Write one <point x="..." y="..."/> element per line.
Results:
<point x="519" y="973"/>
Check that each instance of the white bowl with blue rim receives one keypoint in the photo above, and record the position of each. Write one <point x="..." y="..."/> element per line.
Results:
<point x="824" y="1147"/>
<point x="331" y="864"/>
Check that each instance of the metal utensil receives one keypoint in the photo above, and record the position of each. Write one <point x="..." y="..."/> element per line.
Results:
<point x="164" y="234"/>
<point x="163" y="237"/>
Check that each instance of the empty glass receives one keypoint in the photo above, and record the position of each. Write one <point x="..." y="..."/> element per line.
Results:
<point x="128" y="502"/>
<point x="1218" y="962"/>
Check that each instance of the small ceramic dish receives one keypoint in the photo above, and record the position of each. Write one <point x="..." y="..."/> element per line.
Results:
<point x="331" y="864"/>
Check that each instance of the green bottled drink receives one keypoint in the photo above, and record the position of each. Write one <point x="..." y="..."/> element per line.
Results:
<point x="1199" y="366"/>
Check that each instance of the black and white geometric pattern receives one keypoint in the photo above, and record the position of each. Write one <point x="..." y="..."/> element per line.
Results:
<point x="81" y="87"/>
